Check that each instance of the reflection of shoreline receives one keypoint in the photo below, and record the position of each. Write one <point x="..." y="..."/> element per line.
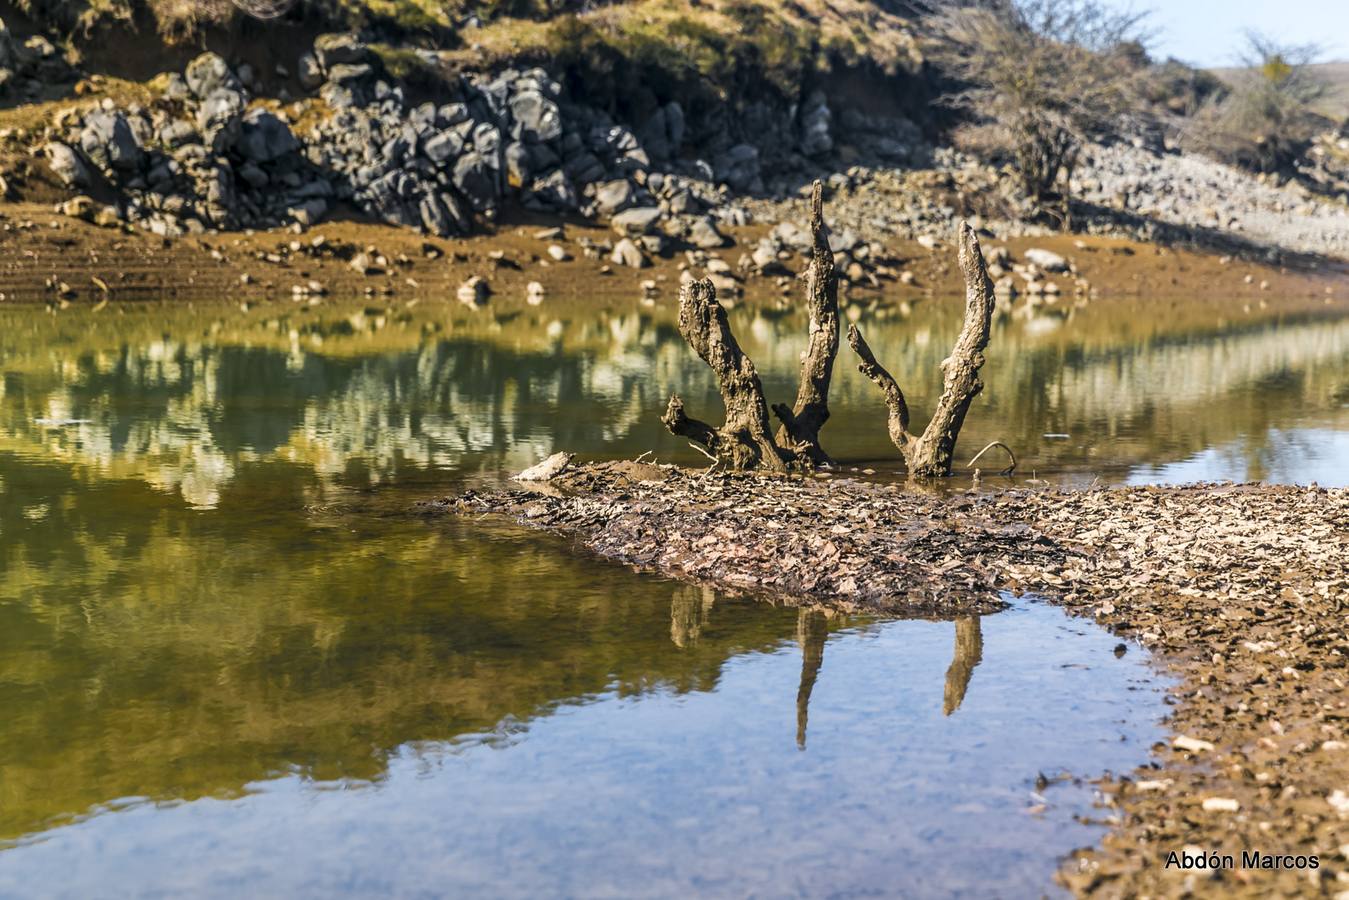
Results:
<point x="178" y="414"/>
<point x="153" y="653"/>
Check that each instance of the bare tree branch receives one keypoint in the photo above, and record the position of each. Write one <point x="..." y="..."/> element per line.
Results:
<point x="677" y="422"/>
<point x="894" y="397"/>
<point x="1010" y="455"/>
<point x="930" y="455"/>
<point x="802" y="423"/>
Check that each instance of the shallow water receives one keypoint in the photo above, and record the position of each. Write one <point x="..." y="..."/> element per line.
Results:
<point x="876" y="783"/>
<point x="226" y="665"/>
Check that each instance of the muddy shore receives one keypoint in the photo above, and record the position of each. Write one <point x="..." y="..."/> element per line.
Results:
<point x="49" y="257"/>
<point x="1239" y="591"/>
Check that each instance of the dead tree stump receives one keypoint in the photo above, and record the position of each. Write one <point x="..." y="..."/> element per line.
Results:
<point x="745" y="441"/>
<point x="802" y="422"/>
<point x="930" y="454"/>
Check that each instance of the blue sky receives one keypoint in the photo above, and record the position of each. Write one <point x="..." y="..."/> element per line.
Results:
<point x="1209" y="32"/>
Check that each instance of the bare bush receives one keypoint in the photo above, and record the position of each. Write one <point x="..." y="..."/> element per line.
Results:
<point x="1266" y="121"/>
<point x="1041" y="78"/>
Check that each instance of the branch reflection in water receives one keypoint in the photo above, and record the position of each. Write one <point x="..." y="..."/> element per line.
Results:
<point x="691" y="612"/>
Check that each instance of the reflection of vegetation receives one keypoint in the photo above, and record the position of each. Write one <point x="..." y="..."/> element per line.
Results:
<point x="151" y="651"/>
<point x="184" y="400"/>
<point x="148" y="649"/>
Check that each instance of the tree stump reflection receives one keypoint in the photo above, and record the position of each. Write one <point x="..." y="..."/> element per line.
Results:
<point x="968" y="653"/>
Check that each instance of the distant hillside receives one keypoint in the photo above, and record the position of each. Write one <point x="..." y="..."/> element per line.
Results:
<point x="1335" y="104"/>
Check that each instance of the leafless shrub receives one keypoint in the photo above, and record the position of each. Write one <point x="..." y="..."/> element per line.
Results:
<point x="1266" y="121"/>
<point x="1041" y="78"/>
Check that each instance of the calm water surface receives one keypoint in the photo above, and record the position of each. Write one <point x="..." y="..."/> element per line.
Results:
<point x="228" y="667"/>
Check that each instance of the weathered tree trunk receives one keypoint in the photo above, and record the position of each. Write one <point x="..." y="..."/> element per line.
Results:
<point x="930" y="454"/>
<point x="745" y="441"/>
<point x="801" y="424"/>
<point x="812" y="629"/>
<point x="968" y="654"/>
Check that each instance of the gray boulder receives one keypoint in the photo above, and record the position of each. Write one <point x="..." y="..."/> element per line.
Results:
<point x="209" y="73"/>
<point x="176" y="88"/>
<point x="704" y="235"/>
<point x="220" y="187"/>
<point x="436" y="216"/>
<point x="1047" y="260"/>
<point x="452" y="114"/>
<point x="584" y="168"/>
<point x="309" y="212"/>
<point x="218" y="118"/>
<point x="535" y="117"/>
<point x="487" y="142"/>
<point x="614" y="196"/>
<point x="177" y="133"/>
<point x="107" y="139"/>
<point x="663" y="133"/>
<point x="816" y="126"/>
<point x="67" y="164"/>
<point x="253" y="176"/>
<point x="791" y="236"/>
<point x="350" y="75"/>
<point x="384" y="198"/>
<point x="683" y="203"/>
<point x="738" y="168"/>
<point x="310" y="72"/>
<point x="264" y="138"/>
<point x="476" y="180"/>
<point x="636" y="221"/>
<point x="765" y="256"/>
<point x="10" y="55"/>
<point x="626" y="253"/>
<point x="554" y="190"/>
<point x="517" y="163"/>
<point x="443" y="147"/>
<point x="844" y="241"/>
<point x="542" y="158"/>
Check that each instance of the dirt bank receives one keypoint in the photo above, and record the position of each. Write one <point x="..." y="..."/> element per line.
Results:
<point x="1239" y="590"/>
<point x="46" y="256"/>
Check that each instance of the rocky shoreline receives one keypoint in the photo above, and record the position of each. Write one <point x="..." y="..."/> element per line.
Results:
<point x="214" y="150"/>
<point x="1239" y="590"/>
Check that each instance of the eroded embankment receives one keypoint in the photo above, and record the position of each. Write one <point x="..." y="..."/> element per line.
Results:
<point x="1243" y="591"/>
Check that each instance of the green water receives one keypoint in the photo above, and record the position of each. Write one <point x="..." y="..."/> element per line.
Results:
<point x="230" y="664"/>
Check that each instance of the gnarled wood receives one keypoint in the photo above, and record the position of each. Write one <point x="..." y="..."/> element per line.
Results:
<point x="898" y="423"/>
<point x="801" y="423"/>
<point x="745" y="441"/>
<point x="930" y="454"/>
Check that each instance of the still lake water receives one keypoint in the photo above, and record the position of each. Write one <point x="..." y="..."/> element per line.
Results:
<point x="229" y="666"/>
